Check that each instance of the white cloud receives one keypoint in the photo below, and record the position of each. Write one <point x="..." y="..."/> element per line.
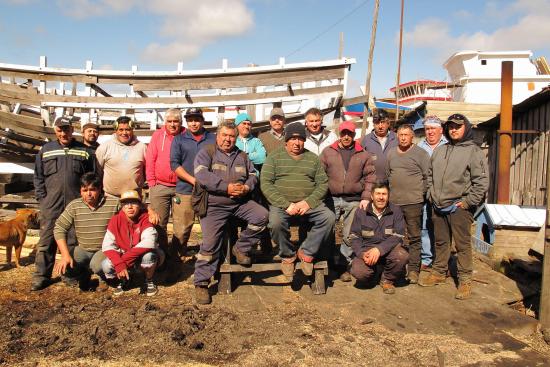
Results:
<point x="529" y="30"/>
<point x="186" y="26"/>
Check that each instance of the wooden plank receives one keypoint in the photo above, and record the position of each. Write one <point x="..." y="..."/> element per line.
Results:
<point x="49" y="77"/>
<point x="543" y="154"/>
<point x="18" y="88"/>
<point x="21" y="138"/>
<point x="50" y="100"/>
<point x="215" y="101"/>
<point x="232" y="81"/>
<point x="23" y="119"/>
<point x="235" y="268"/>
<point x="20" y="97"/>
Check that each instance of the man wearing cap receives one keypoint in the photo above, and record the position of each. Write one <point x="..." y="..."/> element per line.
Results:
<point x="58" y="167"/>
<point x="294" y="182"/>
<point x="90" y="133"/>
<point x="122" y="159"/>
<point x="162" y="179"/>
<point x="183" y="151"/>
<point x="350" y="172"/>
<point x="229" y="177"/>
<point x="407" y="172"/>
<point x="275" y="137"/>
<point x="249" y="143"/>
<point x="433" y="138"/>
<point x="89" y="214"/>
<point x="131" y="241"/>
<point x="379" y="141"/>
<point x="457" y="184"/>
<point x="317" y="137"/>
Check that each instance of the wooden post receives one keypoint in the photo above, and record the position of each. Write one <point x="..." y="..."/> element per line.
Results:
<point x="369" y="72"/>
<point x="44" y="111"/>
<point x="544" y="306"/>
<point x="504" y="135"/>
<point x="398" y="78"/>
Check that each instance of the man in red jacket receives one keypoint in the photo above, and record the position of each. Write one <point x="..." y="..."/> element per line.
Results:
<point x="131" y="241"/>
<point x="161" y="179"/>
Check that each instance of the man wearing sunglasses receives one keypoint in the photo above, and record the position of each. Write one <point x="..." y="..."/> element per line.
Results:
<point x="457" y="184"/>
<point x="274" y="138"/>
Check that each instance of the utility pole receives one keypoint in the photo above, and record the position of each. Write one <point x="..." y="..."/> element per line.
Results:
<point x="369" y="71"/>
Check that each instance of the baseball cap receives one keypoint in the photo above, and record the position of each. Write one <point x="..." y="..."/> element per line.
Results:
<point x="62" y="121"/>
<point x="380" y="114"/>
<point x="347" y="125"/>
<point x="277" y="112"/>
<point x="458" y="118"/>
<point x="90" y="125"/>
<point x="193" y="111"/>
<point x="432" y="120"/>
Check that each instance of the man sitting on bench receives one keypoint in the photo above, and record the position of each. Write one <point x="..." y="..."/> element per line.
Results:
<point x="295" y="183"/>
<point x="229" y="177"/>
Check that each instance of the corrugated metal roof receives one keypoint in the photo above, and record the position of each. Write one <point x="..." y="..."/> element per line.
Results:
<point x="515" y="216"/>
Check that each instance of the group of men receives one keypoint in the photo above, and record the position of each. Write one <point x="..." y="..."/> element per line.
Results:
<point x="298" y="174"/>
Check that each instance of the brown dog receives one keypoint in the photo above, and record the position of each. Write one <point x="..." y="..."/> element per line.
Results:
<point x="14" y="231"/>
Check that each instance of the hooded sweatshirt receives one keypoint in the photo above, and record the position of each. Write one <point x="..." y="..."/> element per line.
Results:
<point x="123" y="165"/>
<point x="458" y="172"/>
<point x="157" y="167"/>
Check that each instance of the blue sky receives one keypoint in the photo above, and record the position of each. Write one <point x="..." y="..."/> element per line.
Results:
<point x="155" y="35"/>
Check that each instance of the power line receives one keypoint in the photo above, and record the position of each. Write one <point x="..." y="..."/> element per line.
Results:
<point x="327" y="29"/>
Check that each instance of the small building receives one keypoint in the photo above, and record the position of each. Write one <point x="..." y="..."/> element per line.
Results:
<point x="507" y="230"/>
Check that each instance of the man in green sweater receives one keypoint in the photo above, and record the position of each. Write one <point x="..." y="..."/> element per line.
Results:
<point x="295" y="184"/>
<point x="89" y="215"/>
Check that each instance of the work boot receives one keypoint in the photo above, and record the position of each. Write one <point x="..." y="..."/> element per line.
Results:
<point x="307" y="263"/>
<point x="242" y="259"/>
<point x="464" y="290"/>
<point x="413" y="277"/>
<point x="202" y="296"/>
<point x="387" y="287"/>
<point x="287" y="267"/>
<point x="39" y="284"/>
<point x="432" y="280"/>
<point x="70" y="282"/>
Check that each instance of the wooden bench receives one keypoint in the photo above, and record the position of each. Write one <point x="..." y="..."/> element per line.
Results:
<point x="228" y="267"/>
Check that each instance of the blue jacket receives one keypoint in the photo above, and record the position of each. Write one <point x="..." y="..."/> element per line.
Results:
<point x="182" y="153"/>
<point x="367" y="231"/>
<point x="253" y="147"/>
<point x="217" y="172"/>
<point x="371" y="144"/>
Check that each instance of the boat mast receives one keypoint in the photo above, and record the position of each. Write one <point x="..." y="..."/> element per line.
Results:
<point x="369" y="71"/>
<point x="399" y="63"/>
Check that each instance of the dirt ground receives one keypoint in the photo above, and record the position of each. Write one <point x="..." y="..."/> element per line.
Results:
<point x="261" y="324"/>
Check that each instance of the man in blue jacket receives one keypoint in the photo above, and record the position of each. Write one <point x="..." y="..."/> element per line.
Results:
<point x="377" y="237"/>
<point x="229" y="177"/>
<point x="182" y="155"/>
<point x="58" y="168"/>
<point x="379" y="142"/>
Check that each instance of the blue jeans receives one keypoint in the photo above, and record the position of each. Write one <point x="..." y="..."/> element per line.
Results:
<point x="345" y="210"/>
<point x="428" y="240"/>
<point x="321" y="219"/>
<point x="147" y="260"/>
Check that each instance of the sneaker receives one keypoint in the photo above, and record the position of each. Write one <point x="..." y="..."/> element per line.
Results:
<point x="120" y="289"/>
<point x="306" y="263"/>
<point x="432" y="280"/>
<point x="287" y="267"/>
<point x="464" y="291"/>
<point x="202" y="296"/>
<point x="387" y="287"/>
<point x="413" y="277"/>
<point x="242" y="259"/>
<point x="345" y="277"/>
<point x="150" y="288"/>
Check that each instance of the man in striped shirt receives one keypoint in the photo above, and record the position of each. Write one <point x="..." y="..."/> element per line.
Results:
<point x="295" y="183"/>
<point x="89" y="215"/>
